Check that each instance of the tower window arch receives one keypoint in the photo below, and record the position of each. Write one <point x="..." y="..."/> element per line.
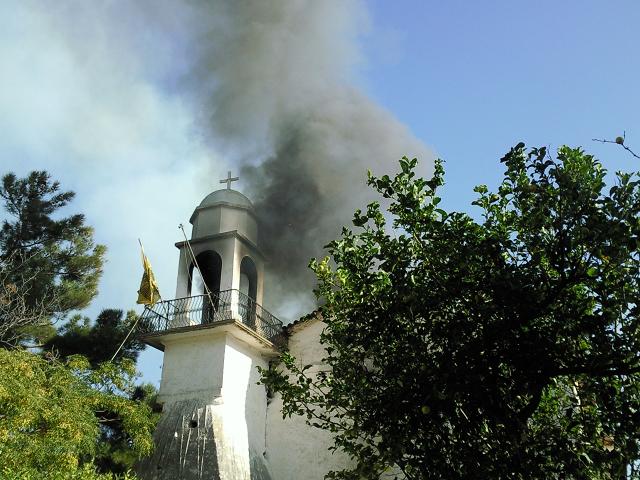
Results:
<point x="248" y="291"/>
<point x="248" y="278"/>
<point x="210" y="264"/>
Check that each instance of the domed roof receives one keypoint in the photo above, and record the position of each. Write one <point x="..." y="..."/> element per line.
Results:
<point x="226" y="196"/>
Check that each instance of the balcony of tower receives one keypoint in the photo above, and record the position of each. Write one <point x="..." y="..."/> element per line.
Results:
<point x="208" y="311"/>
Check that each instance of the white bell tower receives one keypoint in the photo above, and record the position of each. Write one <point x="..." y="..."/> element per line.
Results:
<point x="224" y="245"/>
<point x="214" y="335"/>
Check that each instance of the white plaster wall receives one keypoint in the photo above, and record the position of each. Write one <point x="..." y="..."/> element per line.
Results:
<point x="296" y="451"/>
<point x="243" y="385"/>
<point x="305" y="343"/>
<point x="218" y="371"/>
<point x="243" y="412"/>
<point x="226" y="250"/>
<point x="192" y="369"/>
<point x="234" y="435"/>
<point x="221" y="218"/>
<point x="207" y="222"/>
<point x="240" y="220"/>
<point x="214" y="374"/>
<point x="182" y="283"/>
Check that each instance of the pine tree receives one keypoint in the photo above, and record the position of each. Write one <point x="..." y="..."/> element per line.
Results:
<point x="48" y="261"/>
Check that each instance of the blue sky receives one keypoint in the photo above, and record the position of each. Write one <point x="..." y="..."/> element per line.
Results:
<point x="97" y="97"/>
<point x="474" y="78"/>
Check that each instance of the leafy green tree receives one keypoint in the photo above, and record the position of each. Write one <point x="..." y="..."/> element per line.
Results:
<point x="501" y="348"/>
<point x="98" y="342"/>
<point x="114" y="453"/>
<point x="52" y="258"/>
<point x="49" y="266"/>
<point x="51" y="413"/>
<point x="86" y="472"/>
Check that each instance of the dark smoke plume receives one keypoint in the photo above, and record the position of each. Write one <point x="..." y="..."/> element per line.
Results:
<point x="272" y="85"/>
<point x="273" y="80"/>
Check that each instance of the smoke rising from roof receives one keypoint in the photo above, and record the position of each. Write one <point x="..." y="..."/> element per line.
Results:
<point x="273" y="81"/>
<point x="272" y="88"/>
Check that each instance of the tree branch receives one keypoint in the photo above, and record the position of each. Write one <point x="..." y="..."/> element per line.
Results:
<point x="618" y="141"/>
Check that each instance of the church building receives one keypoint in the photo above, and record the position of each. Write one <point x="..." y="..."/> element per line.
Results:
<point x="217" y="422"/>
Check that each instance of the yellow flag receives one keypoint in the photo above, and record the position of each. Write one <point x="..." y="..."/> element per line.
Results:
<point x="148" y="293"/>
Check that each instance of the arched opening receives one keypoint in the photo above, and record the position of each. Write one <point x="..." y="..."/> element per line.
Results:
<point x="248" y="278"/>
<point x="210" y="273"/>
<point x="248" y="290"/>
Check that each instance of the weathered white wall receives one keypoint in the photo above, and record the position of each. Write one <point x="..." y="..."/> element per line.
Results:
<point x="192" y="368"/>
<point x="206" y="222"/>
<point x="240" y="220"/>
<point x="296" y="451"/>
<point x="210" y="377"/>
<point x="224" y="218"/>
<point x="213" y="422"/>
<point x="241" y="385"/>
<point x="244" y="410"/>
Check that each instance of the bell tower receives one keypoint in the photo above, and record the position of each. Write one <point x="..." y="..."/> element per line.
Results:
<point x="222" y="258"/>
<point x="214" y="335"/>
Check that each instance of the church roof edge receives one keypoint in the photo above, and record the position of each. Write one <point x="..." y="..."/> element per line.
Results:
<point x="226" y="196"/>
<point x="303" y="322"/>
<point x="231" y="233"/>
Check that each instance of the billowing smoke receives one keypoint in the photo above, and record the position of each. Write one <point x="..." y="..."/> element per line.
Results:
<point x="273" y="80"/>
<point x="271" y="86"/>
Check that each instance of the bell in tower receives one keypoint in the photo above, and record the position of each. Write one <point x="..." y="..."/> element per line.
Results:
<point x="214" y="335"/>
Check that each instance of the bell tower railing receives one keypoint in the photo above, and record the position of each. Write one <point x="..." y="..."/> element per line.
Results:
<point x="188" y="312"/>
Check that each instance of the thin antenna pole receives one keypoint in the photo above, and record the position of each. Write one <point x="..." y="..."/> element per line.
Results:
<point x="206" y="287"/>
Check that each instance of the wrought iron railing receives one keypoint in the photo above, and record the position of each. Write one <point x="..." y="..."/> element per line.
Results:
<point x="204" y="309"/>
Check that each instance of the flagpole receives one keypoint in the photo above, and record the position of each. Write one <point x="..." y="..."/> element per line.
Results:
<point x="126" y="338"/>
<point x="137" y="316"/>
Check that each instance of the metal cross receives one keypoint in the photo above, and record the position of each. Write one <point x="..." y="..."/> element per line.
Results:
<point x="229" y="179"/>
